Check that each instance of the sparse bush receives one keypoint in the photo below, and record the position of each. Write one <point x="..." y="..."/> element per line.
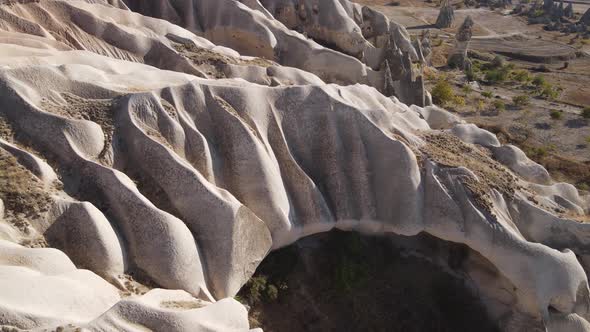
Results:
<point x="544" y="88"/>
<point x="586" y="113"/>
<point x="520" y="101"/>
<point x="522" y="76"/>
<point x="487" y="94"/>
<point x="480" y="105"/>
<point x="499" y="105"/>
<point x="459" y="101"/>
<point x="539" y="81"/>
<point x="549" y="92"/>
<point x="442" y="93"/>
<point x="494" y="76"/>
<point x="467" y="89"/>
<point x="498" y="62"/>
<point x="555" y="114"/>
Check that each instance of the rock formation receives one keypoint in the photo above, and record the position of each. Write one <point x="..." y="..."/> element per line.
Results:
<point x="585" y="19"/>
<point x="149" y="165"/>
<point x="446" y="15"/>
<point x="458" y="57"/>
<point x="569" y="10"/>
<point x="548" y="5"/>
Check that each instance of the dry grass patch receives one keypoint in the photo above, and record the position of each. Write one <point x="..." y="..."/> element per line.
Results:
<point x="214" y="62"/>
<point x="182" y="305"/>
<point x="99" y="111"/>
<point x="448" y="150"/>
<point x="23" y="194"/>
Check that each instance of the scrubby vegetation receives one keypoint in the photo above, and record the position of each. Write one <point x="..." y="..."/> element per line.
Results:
<point x="259" y="288"/>
<point x="556" y="114"/>
<point x="499" y="105"/>
<point x="521" y="100"/>
<point x="585" y="113"/>
<point x="22" y="193"/>
<point x="442" y="93"/>
<point x="487" y="94"/>
<point x="522" y="76"/>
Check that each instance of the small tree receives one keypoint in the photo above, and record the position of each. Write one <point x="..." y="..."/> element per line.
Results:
<point x="586" y="113"/>
<point x="442" y="93"/>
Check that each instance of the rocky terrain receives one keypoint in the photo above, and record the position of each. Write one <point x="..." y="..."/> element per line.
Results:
<point x="159" y="158"/>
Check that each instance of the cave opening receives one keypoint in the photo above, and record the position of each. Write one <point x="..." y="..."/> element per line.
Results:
<point x="346" y="281"/>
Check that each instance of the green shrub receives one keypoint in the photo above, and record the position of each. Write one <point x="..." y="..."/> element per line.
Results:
<point x="459" y="101"/>
<point x="487" y="94"/>
<point x="544" y="88"/>
<point x="548" y="92"/>
<point x="259" y="288"/>
<point x="256" y="287"/>
<point x="539" y="81"/>
<point x="499" y="105"/>
<point x="522" y="76"/>
<point x="586" y="113"/>
<point x="498" y="62"/>
<point x="520" y="101"/>
<point x="494" y="76"/>
<point x="555" y="114"/>
<point x="442" y="93"/>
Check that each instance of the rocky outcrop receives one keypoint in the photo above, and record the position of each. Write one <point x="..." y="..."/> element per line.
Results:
<point x="446" y="15"/>
<point x="585" y="19"/>
<point x="458" y="56"/>
<point x="179" y="165"/>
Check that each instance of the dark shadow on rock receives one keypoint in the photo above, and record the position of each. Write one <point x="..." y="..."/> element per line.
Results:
<point x="341" y="281"/>
<point x="576" y="123"/>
